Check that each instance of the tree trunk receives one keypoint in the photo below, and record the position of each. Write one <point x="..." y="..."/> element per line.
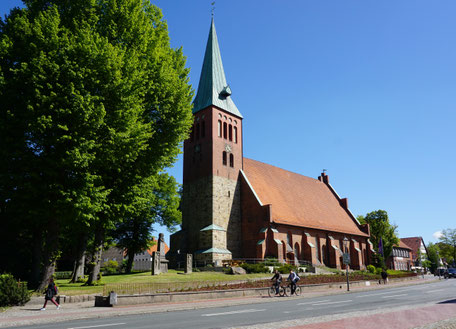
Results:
<point x="95" y="263"/>
<point x="78" y="269"/>
<point x="131" y="257"/>
<point x="50" y="256"/>
<point x="37" y="253"/>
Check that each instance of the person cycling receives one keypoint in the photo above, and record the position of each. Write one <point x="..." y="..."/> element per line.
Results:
<point x="277" y="278"/>
<point x="293" y="278"/>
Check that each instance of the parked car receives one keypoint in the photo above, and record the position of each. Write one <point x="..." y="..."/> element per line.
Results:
<point x="450" y="273"/>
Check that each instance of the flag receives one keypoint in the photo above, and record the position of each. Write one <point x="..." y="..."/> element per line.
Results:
<point x="380" y="246"/>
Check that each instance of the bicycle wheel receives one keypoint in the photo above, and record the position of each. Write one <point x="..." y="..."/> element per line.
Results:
<point x="287" y="291"/>
<point x="298" y="291"/>
<point x="271" y="291"/>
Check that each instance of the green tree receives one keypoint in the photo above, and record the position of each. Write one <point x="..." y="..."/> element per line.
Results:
<point x="158" y="204"/>
<point x="433" y="257"/>
<point x="94" y="101"/>
<point x="380" y="228"/>
<point x="448" y="238"/>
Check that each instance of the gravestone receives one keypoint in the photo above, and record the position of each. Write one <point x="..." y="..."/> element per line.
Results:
<point x="159" y="262"/>
<point x="188" y="264"/>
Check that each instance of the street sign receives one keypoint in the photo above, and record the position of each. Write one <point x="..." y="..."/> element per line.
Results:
<point x="346" y="258"/>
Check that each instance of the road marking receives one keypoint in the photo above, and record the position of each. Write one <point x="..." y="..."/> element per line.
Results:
<point x="394" y="296"/>
<point x="429" y="292"/>
<point x="379" y="294"/>
<point x="321" y="301"/>
<point x="233" y="312"/>
<point x="100" y="325"/>
<point x="329" y="303"/>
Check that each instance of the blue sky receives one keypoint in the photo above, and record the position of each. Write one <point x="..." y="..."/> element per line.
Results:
<point x="365" y="89"/>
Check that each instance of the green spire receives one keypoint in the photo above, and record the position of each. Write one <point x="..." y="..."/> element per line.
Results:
<point x="212" y="87"/>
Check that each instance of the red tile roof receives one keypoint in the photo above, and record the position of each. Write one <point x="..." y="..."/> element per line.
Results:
<point x="299" y="200"/>
<point x="403" y="245"/>
<point x="155" y="246"/>
<point x="414" y="243"/>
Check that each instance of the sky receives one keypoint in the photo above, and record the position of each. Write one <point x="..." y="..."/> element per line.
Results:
<point x="364" y="89"/>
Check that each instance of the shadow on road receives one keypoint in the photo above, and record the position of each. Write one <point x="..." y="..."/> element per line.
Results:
<point x="450" y="301"/>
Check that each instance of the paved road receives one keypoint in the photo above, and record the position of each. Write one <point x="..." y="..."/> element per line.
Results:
<point x="442" y="292"/>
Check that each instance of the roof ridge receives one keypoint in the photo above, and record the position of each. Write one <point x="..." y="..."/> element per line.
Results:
<point x="283" y="169"/>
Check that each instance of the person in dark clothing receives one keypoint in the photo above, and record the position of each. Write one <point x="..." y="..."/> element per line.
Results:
<point x="384" y="276"/>
<point x="49" y="294"/>
<point x="278" y="279"/>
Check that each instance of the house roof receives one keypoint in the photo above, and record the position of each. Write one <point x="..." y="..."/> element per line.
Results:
<point x="299" y="200"/>
<point x="155" y="246"/>
<point x="212" y="87"/>
<point x="414" y="243"/>
<point x="403" y="245"/>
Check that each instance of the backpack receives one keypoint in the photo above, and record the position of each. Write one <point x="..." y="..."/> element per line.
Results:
<point x="56" y="290"/>
<point x="297" y="278"/>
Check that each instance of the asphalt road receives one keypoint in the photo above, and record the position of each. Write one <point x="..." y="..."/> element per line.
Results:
<point x="443" y="291"/>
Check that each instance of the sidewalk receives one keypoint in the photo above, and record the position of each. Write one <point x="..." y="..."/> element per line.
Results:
<point x="31" y="314"/>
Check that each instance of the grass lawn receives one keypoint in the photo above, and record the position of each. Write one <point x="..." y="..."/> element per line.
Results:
<point x="68" y="289"/>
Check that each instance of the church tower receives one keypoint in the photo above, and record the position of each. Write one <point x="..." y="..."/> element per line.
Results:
<point x="211" y="210"/>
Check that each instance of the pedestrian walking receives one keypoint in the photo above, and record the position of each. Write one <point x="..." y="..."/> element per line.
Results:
<point x="50" y="293"/>
<point x="384" y="275"/>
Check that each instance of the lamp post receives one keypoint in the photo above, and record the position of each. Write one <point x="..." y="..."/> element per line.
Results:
<point x="346" y="258"/>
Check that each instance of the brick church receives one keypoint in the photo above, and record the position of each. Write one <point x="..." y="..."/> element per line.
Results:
<point x="239" y="208"/>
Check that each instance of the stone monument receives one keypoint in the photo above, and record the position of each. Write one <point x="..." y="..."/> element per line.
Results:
<point x="189" y="264"/>
<point x="159" y="262"/>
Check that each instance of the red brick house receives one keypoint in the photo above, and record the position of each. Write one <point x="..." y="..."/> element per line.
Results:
<point x="418" y="250"/>
<point x="401" y="257"/>
<point x="238" y="208"/>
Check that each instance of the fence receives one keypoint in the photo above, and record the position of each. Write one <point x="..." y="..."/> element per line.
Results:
<point x="160" y="287"/>
<point x="236" y="262"/>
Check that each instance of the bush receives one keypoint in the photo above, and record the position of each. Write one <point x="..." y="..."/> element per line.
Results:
<point x="271" y="261"/>
<point x="12" y="292"/>
<point x="378" y="270"/>
<point x="286" y="268"/>
<point x="110" y="267"/>
<point x="371" y="269"/>
<point x="255" y="268"/>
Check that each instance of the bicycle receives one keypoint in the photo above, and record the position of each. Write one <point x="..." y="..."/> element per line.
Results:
<point x="273" y="289"/>
<point x="287" y="290"/>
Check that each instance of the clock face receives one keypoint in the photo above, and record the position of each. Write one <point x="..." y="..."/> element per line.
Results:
<point x="227" y="148"/>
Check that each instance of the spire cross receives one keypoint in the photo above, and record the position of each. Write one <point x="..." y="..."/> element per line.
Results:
<point x="213" y="8"/>
<point x="324" y="171"/>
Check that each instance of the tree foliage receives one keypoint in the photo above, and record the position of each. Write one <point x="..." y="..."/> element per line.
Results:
<point x="433" y="256"/>
<point x="380" y="228"/>
<point x="95" y="104"/>
<point x="448" y="239"/>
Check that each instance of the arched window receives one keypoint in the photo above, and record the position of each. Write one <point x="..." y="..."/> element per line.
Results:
<point x="235" y="134"/>
<point x="230" y="132"/>
<point x="231" y="160"/>
<point x="219" y="128"/>
<point x="224" y="158"/>
<point x="224" y="130"/>
<point x="197" y="131"/>
<point x="203" y="129"/>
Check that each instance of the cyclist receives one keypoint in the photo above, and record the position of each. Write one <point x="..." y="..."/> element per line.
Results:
<point x="293" y="278"/>
<point x="277" y="278"/>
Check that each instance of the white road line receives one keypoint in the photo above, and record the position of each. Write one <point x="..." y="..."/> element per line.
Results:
<point x="394" y="296"/>
<point x="321" y="301"/>
<point x="429" y="292"/>
<point x="100" y="325"/>
<point x="233" y="312"/>
<point x="329" y="303"/>
<point x="379" y="294"/>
